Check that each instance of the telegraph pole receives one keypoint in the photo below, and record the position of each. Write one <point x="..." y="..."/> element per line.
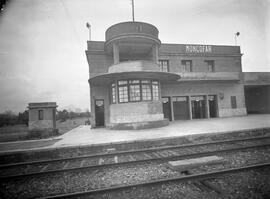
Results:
<point x="132" y="2"/>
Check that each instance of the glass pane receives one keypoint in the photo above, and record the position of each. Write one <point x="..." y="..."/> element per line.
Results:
<point x="122" y="82"/>
<point x="155" y="92"/>
<point x="165" y="68"/>
<point x="165" y="63"/>
<point x="211" y="97"/>
<point x="134" y="81"/>
<point x="123" y="94"/>
<point x="146" y="92"/>
<point x="134" y="93"/>
<point x="145" y="81"/>
<point x="197" y="98"/>
<point x="113" y="95"/>
<point x="165" y="99"/>
<point x="179" y="99"/>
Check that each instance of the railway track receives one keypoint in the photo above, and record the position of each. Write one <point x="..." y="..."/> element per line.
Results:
<point x="197" y="179"/>
<point x="102" y="160"/>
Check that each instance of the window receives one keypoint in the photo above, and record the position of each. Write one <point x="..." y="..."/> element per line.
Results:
<point x="233" y="102"/>
<point x="187" y="65"/>
<point x="40" y="114"/>
<point x="123" y="91"/>
<point x="113" y="90"/>
<point x="210" y="65"/>
<point x="155" y="90"/>
<point x="146" y="92"/>
<point x="179" y="99"/>
<point x="135" y="90"/>
<point x="164" y="65"/>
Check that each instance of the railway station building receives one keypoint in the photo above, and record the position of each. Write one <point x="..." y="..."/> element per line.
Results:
<point x="136" y="81"/>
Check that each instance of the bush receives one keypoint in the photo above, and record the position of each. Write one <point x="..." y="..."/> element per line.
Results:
<point x="8" y="118"/>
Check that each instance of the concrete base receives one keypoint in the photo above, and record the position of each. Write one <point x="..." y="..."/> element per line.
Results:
<point x="42" y="133"/>
<point x="191" y="163"/>
<point x="138" y="125"/>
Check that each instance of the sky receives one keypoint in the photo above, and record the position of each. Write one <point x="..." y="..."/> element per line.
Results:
<point x="43" y="42"/>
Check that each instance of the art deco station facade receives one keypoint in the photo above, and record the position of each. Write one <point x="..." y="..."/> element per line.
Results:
<point x="138" y="82"/>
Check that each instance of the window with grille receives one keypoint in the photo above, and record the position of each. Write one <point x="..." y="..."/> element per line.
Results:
<point x="146" y="92"/>
<point x="164" y="65"/>
<point x="187" y="65"/>
<point x="210" y="65"/>
<point x="123" y="91"/>
<point x="155" y="90"/>
<point x="135" y="90"/>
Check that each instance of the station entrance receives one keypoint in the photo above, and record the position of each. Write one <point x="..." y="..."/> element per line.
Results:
<point x="166" y="103"/>
<point x="257" y="99"/>
<point x="212" y="101"/>
<point x="190" y="107"/>
<point x="180" y="108"/>
<point x="198" y="105"/>
<point x="99" y="112"/>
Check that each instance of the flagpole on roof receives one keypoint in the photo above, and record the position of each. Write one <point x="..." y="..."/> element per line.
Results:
<point x="235" y="37"/>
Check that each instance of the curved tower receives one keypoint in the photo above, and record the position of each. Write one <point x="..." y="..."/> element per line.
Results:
<point x="125" y="78"/>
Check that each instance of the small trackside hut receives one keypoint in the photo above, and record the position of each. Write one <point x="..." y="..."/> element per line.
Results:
<point x="42" y="117"/>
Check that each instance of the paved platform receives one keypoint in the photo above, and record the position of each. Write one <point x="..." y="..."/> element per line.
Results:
<point x="83" y="135"/>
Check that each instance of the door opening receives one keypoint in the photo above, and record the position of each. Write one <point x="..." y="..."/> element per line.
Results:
<point x="99" y="112"/>
<point x="166" y="102"/>
<point x="212" y="99"/>
<point x="198" y="107"/>
<point x="180" y="108"/>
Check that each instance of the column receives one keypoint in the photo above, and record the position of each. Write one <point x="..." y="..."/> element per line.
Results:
<point x="172" y="108"/>
<point x="155" y="53"/>
<point x="115" y="53"/>
<point x="207" y="106"/>
<point x="189" y="107"/>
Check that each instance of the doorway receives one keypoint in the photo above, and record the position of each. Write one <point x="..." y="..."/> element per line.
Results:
<point x="166" y="103"/>
<point x="180" y="108"/>
<point x="99" y="112"/>
<point x="212" y="100"/>
<point x="198" y="107"/>
<point x="257" y="99"/>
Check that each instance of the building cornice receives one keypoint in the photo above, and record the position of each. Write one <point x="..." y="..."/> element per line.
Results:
<point x="199" y="55"/>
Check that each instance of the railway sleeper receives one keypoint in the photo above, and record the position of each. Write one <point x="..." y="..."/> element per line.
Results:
<point x="182" y="165"/>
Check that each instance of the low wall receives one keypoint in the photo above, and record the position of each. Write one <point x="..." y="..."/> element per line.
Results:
<point x="229" y="112"/>
<point x="136" y="112"/>
<point x="41" y="124"/>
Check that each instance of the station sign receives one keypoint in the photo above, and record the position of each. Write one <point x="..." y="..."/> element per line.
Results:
<point x="198" y="49"/>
